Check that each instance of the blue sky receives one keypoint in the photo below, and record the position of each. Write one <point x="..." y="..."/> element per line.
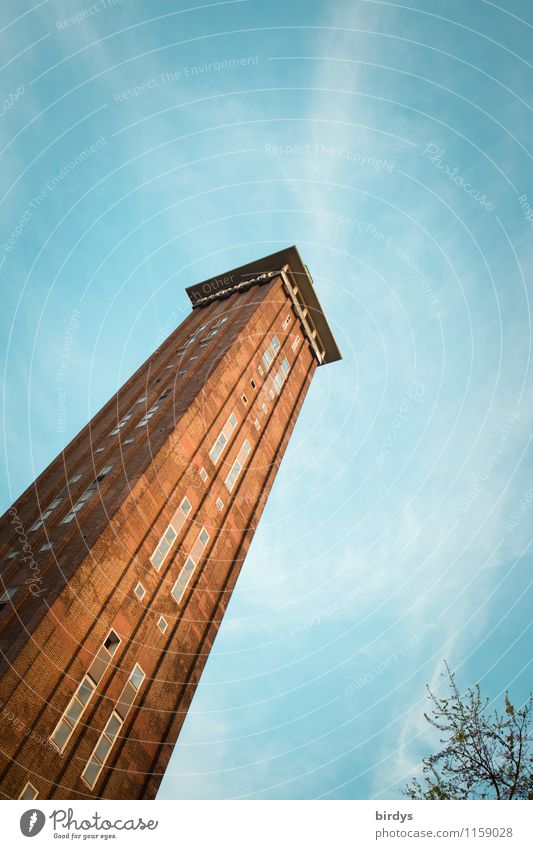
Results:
<point x="391" y="144"/>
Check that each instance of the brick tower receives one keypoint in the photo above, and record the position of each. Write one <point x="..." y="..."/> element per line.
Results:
<point x="118" y="562"/>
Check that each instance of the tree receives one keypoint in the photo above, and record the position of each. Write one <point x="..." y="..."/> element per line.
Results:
<point x="484" y="755"/>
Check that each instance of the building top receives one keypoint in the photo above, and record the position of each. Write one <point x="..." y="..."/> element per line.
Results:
<point x="298" y="283"/>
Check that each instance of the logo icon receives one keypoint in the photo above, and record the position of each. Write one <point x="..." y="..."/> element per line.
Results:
<point x="32" y="822"/>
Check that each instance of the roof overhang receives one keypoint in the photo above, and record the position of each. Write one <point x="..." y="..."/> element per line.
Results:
<point x="298" y="283"/>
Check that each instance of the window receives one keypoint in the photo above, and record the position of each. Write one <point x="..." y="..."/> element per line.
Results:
<point x="223" y="438"/>
<point x="221" y="321"/>
<point x="101" y="751"/>
<point x="79" y="701"/>
<point x="66" y="725"/>
<point x="236" y="469"/>
<point x="162" y="624"/>
<point x="112" y="643"/>
<point x="47" y="546"/>
<point x="270" y="353"/>
<point x="6" y="597"/>
<point x="271" y="393"/>
<point x="253" y="384"/>
<point x="287" y="322"/>
<point x="295" y="343"/>
<point x="140" y="592"/>
<point x="10" y="555"/>
<point x="267" y="359"/>
<point x="280" y="376"/>
<point x="189" y="566"/>
<point x="127" y="441"/>
<point x="220" y="504"/>
<point x="125" y="419"/>
<point x="257" y="425"/>
<point x="91" y="489"/>
<point x="115" y="722"/>
<point x="264" y="408"/>
<point x="55" y="503"/>
<point x="244" y="400"/>
<point x="29" y="791"/>
<point x="260" y="370"/>
<point x="178" y="520"/>
<point x="136" y="677"/>
<point x="203" y="474"/>
<point x="147" y="416"/>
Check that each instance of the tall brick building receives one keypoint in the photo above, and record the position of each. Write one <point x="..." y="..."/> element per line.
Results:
<point x="118" y="562"/>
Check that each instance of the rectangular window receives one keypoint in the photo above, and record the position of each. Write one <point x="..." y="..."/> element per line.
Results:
<point x="66" y="725"/>
<point x="29" y="792"/>
<point x="270" y="353"/>
<point x="55" y="503"/>
<point x="237" y="466"/>
<point x="253" y="384"/>
<point x="286" y="322"/>
<point x="220" y="504"/>
<point x="153" y="409"/>
<point x="113" y="726"/>
<point x="223" y="438"/>
<point x="140" y="592"/>
<point x="162" y="624"/>
<point x="203" y="474"/>
<point x="264" y="408"/>
<point x="244" y="400"/>
<point x="178" y="520"/>
<point x="79" y="701"/>
<point x="189" y="566"/>
<point x="260" y="370"/>
<point x="267" y="359"/>
<point x="295" y="343"/>
<point x="125" y="419"/>
<point x="281" y="375"/>
<point x="46" y="546"/>
<point x="102" y="749"/>
<point x="257" y="425"/>
<point x="6" y="597"/>
<point x="91" y="489"/>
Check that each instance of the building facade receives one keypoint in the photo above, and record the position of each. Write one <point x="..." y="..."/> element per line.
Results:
<point x="118" y="562"/>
